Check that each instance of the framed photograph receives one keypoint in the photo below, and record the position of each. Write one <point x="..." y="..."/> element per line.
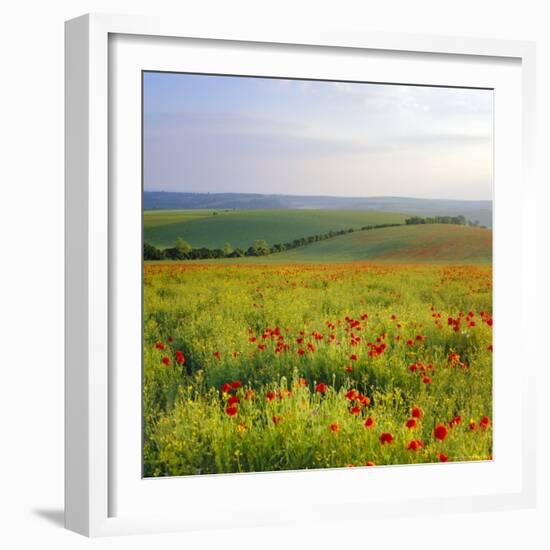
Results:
<point x="289" y="290"/>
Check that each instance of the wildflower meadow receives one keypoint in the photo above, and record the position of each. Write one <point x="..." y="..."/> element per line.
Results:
<point x="252" y="367"/>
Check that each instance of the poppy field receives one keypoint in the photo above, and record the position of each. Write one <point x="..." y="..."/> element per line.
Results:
<point x="251" y="367"/>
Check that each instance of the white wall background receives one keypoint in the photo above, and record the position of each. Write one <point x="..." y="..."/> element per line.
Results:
<point x="31" y="272"/>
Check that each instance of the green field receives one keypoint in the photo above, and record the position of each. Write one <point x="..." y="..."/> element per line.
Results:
<point x="212" y="229"/>
<point x="160" y="218"/>
<point x="433" y="243"/>
<point x="407" y="244"/>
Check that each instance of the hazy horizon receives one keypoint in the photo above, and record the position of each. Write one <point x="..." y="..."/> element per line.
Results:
<point x="315" y="195"/>
<point x="226" y="134"/>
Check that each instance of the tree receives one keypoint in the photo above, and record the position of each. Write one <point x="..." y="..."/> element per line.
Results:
<point x="227" y="249"/>
<point x="237" y="253"/>
<point x="183" y="247"/>
<point x="151" y="252"/>
<point x="260" y="247"/>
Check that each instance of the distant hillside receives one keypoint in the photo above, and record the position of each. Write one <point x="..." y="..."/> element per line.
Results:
<point x="406" y="244"/>
<point x="472" y="210"/>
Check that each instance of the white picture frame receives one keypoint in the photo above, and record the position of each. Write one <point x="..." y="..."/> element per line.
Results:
<point x="93" y="214"/>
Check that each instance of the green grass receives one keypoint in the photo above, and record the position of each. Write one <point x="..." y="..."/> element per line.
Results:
<point x="161" y="218"/>
<point x="201" y="228"/>
<point x="437" y="243"/>
<point x="415" y="243"/>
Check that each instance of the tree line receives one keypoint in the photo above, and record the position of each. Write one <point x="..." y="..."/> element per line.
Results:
<point x="455" y="220"/>
<point x="182" y="250"/>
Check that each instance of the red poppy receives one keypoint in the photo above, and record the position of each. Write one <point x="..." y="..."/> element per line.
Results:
<point x="217" y="355"/>
<point x="363" y="399"/>
<point x="355" y="410"/>
<point x="411" y="423"/>
<point x="231" y="411"/>
<point x="166" y="360"/>
<point x="276" y="419"/>
<point x="236" y="384"/>
<point x="349" y="368"/>
<point x="351" y="394"/>
<point x="370" y="463"/>
<point x="416" y="412"/>
<point x="427" y="380"/>
<point x="302" y="382"/>
<point x="159" y="345"/>
<point x="419" y="337"/>
<point x="334" y="427"/>
<point x="301" y="351"/>
<point x="386" y="438"/>
<point x="321" y="388"/>
<point x="442" y="457"/>
<point x="270" y="395"/>
<point x="440" y="432"/>
<point x="409" y="342"/>
<point x="369" y="422"/>
<point x="170" y="339"/>
<point x="455" y="421"/>
<point x="472" y="425"/>
<point x="353" y="357"/>
<point x="249" y="394"/>
<point x="415" y="445"/>
<point x="180" y="358"/>
<point x="226" y="388"/>
<point x="484" y="423"/>
<point x="490" y="347"/>
<point x="232" y="400"/>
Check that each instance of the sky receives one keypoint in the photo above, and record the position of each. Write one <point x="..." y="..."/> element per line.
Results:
<point x="228" y="134"/>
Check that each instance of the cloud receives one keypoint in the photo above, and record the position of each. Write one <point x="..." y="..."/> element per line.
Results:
<point x="309" y="137"/>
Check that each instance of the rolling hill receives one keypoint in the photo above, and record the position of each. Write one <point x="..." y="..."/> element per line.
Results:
<point x="212" y="229"/>
<point x="404" y="244"/>
<point x="480" y="210"/>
